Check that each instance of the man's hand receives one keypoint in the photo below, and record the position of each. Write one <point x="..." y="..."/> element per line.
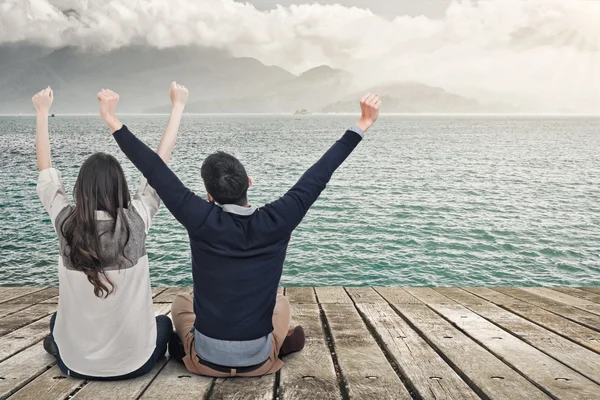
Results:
<point x="42" y="101"/>
<point x="370" y="111"/>
<point x="178" y="94"/>
<point x="108" y="104"/>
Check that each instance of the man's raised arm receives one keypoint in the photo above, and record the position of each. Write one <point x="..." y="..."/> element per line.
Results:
<point x="294" y="205"/>
<point x="190" y="210"/>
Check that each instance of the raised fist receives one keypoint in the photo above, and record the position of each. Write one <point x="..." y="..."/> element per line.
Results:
<point x="108" y="104"/>
<point x="42" y="101"/>
<point x="178" y="94"/>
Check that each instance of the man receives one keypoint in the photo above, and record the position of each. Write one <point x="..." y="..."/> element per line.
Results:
<point x="236" y="324"/>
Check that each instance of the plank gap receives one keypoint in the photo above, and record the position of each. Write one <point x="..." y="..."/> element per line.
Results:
<point x="464" y="332"/>
<point x="210" y="389"/>
<point x="342" y="384"/>
<point x="454" y="367"/>
<point x="403" y="378"/>
<point x="539" y="321"/>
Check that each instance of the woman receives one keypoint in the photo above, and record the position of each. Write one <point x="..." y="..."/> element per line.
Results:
<point x="105" y="327"/>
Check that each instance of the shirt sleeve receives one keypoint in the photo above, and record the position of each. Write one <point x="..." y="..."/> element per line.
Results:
<point x="146" y="202"/>
<point x="188" y="208"/>
<point x="52" y="192"/>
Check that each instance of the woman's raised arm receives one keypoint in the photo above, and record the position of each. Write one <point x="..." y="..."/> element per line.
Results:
<point x="179" y="96"/>
<point x="42" y="102"/>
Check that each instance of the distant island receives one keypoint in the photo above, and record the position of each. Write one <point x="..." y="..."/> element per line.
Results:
<point x="304" y="111"/>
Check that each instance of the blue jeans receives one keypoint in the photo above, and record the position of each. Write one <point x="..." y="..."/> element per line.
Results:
<point x="164" y="331"/>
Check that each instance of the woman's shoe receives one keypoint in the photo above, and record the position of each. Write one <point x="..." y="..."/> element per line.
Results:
<point x="49" y="345"/>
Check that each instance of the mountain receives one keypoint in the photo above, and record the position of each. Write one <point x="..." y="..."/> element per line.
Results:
<point x="410" y="97"/>
<point x="141" y="75"/>
<point x="311" y="90"/>
<point x="218" y="83"/>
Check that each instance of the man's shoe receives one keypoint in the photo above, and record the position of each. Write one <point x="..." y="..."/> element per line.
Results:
<point x="294" y="341"/>
<point x="49" y="345"/>
<point x="176" y="349"/>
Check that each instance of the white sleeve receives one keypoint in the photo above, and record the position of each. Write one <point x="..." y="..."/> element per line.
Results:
<point x="146" y="202"/>
<point x="52" y="192"/>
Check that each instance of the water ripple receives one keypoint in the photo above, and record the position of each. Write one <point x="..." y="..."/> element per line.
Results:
<point x="423" y="201"/>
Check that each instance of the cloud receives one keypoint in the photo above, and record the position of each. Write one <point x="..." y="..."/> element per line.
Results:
<point x="540" y="51"/>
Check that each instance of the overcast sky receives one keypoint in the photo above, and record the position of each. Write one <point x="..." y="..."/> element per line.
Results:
<point x="387" y="8"/>
<point x="524" y="51"/>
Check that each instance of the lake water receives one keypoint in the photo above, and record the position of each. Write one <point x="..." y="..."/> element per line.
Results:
<point x="424" y="200"/>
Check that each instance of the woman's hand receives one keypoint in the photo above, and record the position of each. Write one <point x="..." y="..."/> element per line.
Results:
<point x="179" y="94"/>
<point x="42" y="101"/>
<point x="108" y="105"/>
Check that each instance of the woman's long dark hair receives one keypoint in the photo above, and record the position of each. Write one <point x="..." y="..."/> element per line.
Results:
<point x="100" y="185"/>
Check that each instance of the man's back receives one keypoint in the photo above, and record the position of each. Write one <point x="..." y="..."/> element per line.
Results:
<point x="237" y="261"/>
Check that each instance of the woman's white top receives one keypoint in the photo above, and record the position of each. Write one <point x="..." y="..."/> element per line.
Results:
<point x="111" y="336"/>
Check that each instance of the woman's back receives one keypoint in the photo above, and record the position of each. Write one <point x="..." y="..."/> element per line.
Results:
<point x="104" y="335"/>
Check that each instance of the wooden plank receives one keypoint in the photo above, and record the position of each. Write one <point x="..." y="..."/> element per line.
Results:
<point x="301" y="295"/>
<point x="169" y="294"/>
<point x="24" y="317"/>
<point x="365" y="295"/>
<point x="35" y="297"/>
<point x="578" y="333"/>
<point x="281" y="290"/>
<point x="582" y="294"/>
<point x="566" y="299"/>
<point x="427" y="373"/>
<point x="51" y="300"/>
<point x="7" y="309"/>
<point x="578" y="358"/>
<point x="554" y="377"/>
<point x="175" y="382"/>
<point x="162" y="308"/>
<point x="259" y="388"/>
<point x="397" y="295"/>
<point x="575" y="314"/>
<point x="156" y="290"/>
<point x="51" y="385"/>
<point x="335" y="294"/>
<point x="127" y="389"/>
<point x="592" y="289"/>
<point x="365" y="369"/>
<point x="475" y="363"/>
<point x="24" y="337"/>
<point x="10" y="293"/>
<point x="310" y="373"/>
<point x="20" y="369"/>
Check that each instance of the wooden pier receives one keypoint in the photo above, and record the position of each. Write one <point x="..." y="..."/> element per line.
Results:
<point x="362" y="343"/>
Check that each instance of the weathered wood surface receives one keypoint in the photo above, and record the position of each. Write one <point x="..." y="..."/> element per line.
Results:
<point x="426" y="371"/>
<point x="486" y="372"/>
<point x="550" y="374"/>
<point x="573" y="313"/>
<point x="311" y="372"/>
<point x="362" y="343"/>
<point x="571" y="330"/>
<point x="366" y="372"/>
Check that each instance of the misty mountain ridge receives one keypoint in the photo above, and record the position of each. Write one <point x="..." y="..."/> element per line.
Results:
<point x="218" y="83"/>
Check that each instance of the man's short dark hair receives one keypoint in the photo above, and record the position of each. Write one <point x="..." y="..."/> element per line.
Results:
<point x="225" y="179"/>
